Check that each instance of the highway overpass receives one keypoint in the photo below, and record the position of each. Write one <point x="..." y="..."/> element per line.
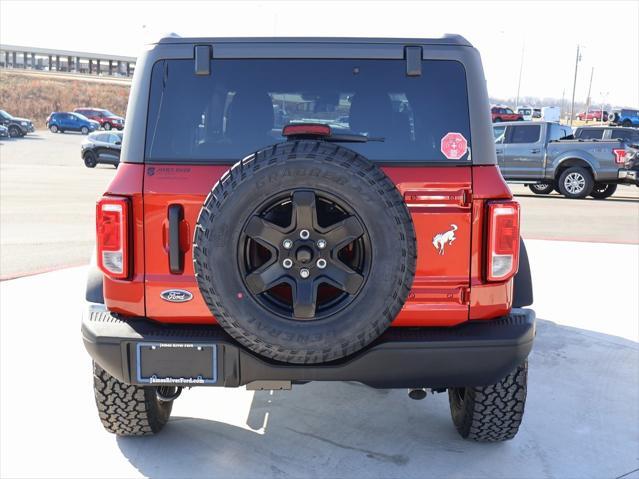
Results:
<point x="55" y="60"/>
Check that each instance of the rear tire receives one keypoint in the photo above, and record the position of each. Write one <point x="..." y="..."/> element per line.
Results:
<point x="602" y="191"/>
<point x="542" y="188"/>
<point x="84" y="130"/>
<point x="490" y="413"/>
<point x="90" y="160"/>
<point x="627" y="123"/>
<point x="128" y="410"/>
<point x="576" y="182"/>
<point x="107" y="126"/>
<point x="14" y="131"/>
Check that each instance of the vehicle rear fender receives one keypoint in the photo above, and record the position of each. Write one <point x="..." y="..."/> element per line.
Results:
<point x="574" y="158"/>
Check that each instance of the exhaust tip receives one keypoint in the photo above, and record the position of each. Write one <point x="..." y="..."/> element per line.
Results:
<point x="417" y="394"/>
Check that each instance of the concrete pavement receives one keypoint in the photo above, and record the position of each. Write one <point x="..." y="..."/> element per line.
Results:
<point x="581" y="421"/>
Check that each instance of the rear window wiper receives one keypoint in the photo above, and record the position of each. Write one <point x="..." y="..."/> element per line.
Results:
<point x="324" y="132"/>
<point x="353" y="138"/>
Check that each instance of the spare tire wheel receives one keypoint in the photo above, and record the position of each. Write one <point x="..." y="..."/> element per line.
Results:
<point x="304" y="252"/>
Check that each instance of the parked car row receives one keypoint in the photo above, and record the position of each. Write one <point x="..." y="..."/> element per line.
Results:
<point x="84" y="120"/>
<point x="524" y="113"/>
<point x="623" y="117"/>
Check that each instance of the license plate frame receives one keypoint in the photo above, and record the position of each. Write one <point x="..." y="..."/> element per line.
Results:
<point x="176" y="364"/>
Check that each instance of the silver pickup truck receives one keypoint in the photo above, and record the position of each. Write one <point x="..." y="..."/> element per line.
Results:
<point x="545" y="156"/>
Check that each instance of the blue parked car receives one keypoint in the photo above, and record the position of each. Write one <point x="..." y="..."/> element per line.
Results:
<point x="624" y="117"/>
<point x="59" y="122"/>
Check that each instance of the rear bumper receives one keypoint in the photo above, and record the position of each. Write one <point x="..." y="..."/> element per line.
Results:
<point x="473" y="354"/>
<point x="629" y="176"/>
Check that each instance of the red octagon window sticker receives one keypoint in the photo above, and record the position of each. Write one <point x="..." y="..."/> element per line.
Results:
<point x="454" y="146"/>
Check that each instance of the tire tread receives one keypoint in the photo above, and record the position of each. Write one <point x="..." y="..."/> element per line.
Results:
<point x="125" y="409"/>
<point x="492" y="413"/>
<point x="328" y="153"/>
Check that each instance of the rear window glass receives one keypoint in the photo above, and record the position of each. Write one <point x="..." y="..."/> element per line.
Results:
<point x="625" y="135"/>
<point x="244" y="104"/>
<point x="591" y="134"/>
<point x="524" y="134"/>
<point x="559" y="132"/>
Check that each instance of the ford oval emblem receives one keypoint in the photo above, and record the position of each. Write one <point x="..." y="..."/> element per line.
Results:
<point x="176" y="295"/>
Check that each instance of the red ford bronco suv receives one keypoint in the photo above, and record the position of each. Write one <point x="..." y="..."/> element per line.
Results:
<point x="295" y="210"/>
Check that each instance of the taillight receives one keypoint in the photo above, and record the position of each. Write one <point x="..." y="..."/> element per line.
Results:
<point x="620" y="155"/>
<point x="503" y="240"/>
<point x="112" y="233"/>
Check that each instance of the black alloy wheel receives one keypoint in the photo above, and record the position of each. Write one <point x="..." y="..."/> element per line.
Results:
<point x="304" y="255"/>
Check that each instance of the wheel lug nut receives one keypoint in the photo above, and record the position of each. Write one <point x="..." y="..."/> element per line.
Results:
<point x="321" y="263"/>
<point x="304" y="234"/>
<point x="287" y="243"/>
<point x="321" y="243"/>
<point x="287" y="263"/>
<point x="304" y="273"/>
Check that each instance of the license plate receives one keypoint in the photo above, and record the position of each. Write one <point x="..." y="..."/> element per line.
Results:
<point x="176" y="363"/>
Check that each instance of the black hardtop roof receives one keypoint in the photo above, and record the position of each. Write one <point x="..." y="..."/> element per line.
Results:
<point x="447" y="39"/>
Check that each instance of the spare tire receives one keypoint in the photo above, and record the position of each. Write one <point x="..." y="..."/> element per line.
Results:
<point x="304" y="252"/>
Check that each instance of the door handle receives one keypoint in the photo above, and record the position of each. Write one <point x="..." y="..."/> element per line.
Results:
<point x="535" y="150"/>
<point x="176" y="258"/>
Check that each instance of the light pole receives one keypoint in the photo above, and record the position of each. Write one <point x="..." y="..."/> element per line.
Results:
<point x="574" y="85"/>
<point x="592" y="72"/>
<point x="604" y="95"/>
<point x="521" y="67"/>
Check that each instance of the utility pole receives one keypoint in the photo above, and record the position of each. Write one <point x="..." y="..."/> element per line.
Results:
<point x="604" y="95"/>
<point x="574" y="85"/>
<point x="521" y="67"/>
<point x="561" y="110"/>
<point x="592" y="71"/>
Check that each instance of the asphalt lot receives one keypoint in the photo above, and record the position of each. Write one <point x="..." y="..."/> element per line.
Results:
<point x="47" y="199"/>
<point x="47" y="203"/>
<point x="581" y="420"/>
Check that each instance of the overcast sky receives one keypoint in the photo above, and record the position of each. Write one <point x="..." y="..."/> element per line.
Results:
<point x="549" y="32"/>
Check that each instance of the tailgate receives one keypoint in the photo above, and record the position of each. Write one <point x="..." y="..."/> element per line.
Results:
<point x="439" y="199"/>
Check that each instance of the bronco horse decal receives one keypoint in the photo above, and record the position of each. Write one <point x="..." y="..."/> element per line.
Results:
<point x="440" y="240"/>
